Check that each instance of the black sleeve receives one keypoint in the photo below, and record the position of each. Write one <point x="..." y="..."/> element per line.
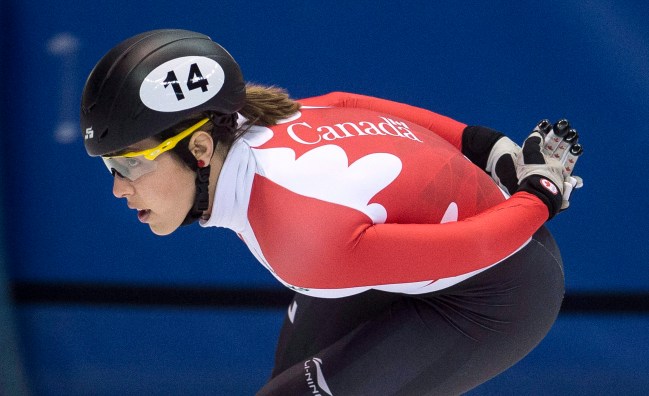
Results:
<point x="477" y="142"/>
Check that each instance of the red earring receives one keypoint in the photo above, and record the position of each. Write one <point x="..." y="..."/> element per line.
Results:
<point x="201" y="164"/>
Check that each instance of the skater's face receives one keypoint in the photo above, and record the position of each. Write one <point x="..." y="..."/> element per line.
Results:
<point x="157" y="183"/>
<point x="162" y="197"/>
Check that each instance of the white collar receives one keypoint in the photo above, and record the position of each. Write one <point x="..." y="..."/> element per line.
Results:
<point x="232" y="193"/>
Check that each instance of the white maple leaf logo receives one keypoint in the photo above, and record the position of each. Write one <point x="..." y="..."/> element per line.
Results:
<point x="324" y="173"/>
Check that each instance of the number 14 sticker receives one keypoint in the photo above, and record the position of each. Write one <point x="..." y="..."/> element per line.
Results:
<point x="194" y="80"/>
<point x="161" y="90"/>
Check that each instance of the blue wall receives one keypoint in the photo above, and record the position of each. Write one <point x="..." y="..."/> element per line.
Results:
<point x="502" y="64"/>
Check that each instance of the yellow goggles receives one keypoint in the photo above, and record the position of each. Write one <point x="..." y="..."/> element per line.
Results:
<point x="137" y="163"/>
<point x="167" y="145"/>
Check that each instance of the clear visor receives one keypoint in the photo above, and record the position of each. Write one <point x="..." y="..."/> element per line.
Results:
<point x="131" y="168"/>
<point x="133" y="165"/>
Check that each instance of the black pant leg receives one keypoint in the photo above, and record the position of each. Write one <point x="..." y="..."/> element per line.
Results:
<point x="312" y="324"/>
<point x="443" y="343"/>
<point x="501" y="314"/>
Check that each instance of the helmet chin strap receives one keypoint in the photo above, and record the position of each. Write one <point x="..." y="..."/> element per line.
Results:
<point x="202" y="197"/>
<point x="227" y="124"/>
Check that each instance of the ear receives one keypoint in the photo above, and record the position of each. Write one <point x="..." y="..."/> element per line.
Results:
<point x="201" y="146"/>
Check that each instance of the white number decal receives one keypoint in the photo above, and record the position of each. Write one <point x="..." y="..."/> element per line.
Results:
<point x="161" y="90"/>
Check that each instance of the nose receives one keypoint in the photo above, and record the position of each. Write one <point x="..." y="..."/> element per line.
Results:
<point x="122" y="187"/>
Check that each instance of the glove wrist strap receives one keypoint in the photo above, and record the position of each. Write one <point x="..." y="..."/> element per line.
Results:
<point x="545" y="190"/>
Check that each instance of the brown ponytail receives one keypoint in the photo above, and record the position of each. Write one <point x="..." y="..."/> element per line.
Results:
<point x="266" y="106"/>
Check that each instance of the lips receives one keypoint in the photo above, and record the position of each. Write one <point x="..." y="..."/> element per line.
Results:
<point x="143" y="215"/>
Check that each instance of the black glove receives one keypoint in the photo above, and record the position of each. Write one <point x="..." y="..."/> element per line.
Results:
<point x="494" y="152"/>
<point x="501" y="164"/>
<point x="545" y="166"/>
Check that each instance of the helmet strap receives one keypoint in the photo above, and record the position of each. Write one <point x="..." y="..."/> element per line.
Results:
<point x="202" y="198"/>
<point x="224" y="126"/>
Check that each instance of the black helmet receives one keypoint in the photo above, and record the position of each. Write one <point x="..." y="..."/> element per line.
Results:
<point x="151" y="82"/>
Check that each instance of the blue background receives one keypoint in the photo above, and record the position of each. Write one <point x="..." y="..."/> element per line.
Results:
<point x="501" y="64"/>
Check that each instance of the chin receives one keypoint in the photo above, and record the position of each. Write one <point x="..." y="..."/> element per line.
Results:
<point x="162" y="231"/>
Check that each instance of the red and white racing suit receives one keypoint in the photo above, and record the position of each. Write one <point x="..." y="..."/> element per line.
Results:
<point x="435" y="280"/>
<point x="372" y="195"/>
